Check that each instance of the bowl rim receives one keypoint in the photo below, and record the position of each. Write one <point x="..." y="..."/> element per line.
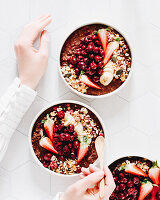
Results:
<point x="45" y="108"/>
<point x="104" y="95"/>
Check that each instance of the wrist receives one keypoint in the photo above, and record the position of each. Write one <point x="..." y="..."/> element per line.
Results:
<point x="28" y="83"/>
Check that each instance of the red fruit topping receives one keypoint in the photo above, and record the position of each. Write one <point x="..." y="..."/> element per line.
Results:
<point x="121" y="196"/>
<point x="91" y="56"/>
<point x="81" y="65"/>
<point x="100" y="71"/>
<point x="60" y="127"/>
<point x="130" y="184"/>
<point x="70" y="145"/>
<point x="97" y="58"/>
<point x="72" y="138"/>
<point x="145" y="189"/>
<point x="102" y="52"/>
<point x="94" y="37"/>
<point x="123" y="180"/>
<point x="62" y="137"/>
<point x="103" y="37"/>
<point x="90" y="48"/>
<point x="70" y="128"/>
<point x="78" y="53"/>
<point x="96" y="79"/>
<point x="133" y="169"/>
<point x="86" y="80"/>
<point x="53" y="165"/>
<point x="154" y="173"/>
<point x="66" y="149"/>
<point x="75" y="134"/>
<point x="112" y="46"/>
<point x="86" y="60"/>
<point x="78" y="169"/>
<point x="55" y="108"/>
<point x="83" y="53"/>
<point x="100" y="64"/>
<point x="136" y="181"/>
<point x="80" y="58"/>
<point x="93" y="65"/>
<point x="122" y="187"/>
<point x="61" y="158"/>
<point x="45" y="164"/>
<point x="86" y="40"/>
<point x="46" y="143"/>
<point x="68" y="137"/>
<point x="97" y="42"/>
<point x="121" y="175"/>
<point x="68" y="105"/>
<point x="76" y="144"/>
<point x="73" y="156"/>
<point x="77" y="71"/>
<point x="158" y="195"/>
<point x="48" y="126"/>
<point x="82" y="152"/>
<point x="90" y="71"/>
<point x="61" y="114"/>
<point x="83" y="47"/>
<point x="47" y="156"/>
<point x="132" y="191"/>
<point x="73" y="60"/>
<point x="96" y="50"/>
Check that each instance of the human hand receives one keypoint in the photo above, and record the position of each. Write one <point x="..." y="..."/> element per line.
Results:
<point x="90" y="178"/>
<point x="32" y="63"/>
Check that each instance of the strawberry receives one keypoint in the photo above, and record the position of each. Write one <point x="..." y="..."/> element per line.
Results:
<point x="87" y="81"/>
<point x="48" y="126"/>
<point x="46" y="143"/>
<point x="154" y="173"/>
<point x="112" y="46"/>
<point x="145" y="189"/>
<point x="103" y="37"/>
<point x="133" y="169"/>
<point x="82" y="151"/>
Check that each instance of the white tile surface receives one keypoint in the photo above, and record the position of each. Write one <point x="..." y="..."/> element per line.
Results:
<point x="131" y="117"/>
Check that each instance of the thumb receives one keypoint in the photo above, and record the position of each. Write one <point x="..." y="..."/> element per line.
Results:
<point x="44" y="43"/>
<point x="90" y="180"/>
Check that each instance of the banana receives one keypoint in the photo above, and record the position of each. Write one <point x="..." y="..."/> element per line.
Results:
<point x="108" y="73"/>
<point x="69" y="119"/>
<point x="106" y="78"/>
<point x="79" y="128"/>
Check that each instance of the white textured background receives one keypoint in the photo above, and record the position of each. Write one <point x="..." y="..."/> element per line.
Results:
<point x="132" y="117"/>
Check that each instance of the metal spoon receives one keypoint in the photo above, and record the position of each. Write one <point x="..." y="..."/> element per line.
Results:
<point x="100" y="148"/>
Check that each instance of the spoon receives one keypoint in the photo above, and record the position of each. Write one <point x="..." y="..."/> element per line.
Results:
<point x="100" y="148"/>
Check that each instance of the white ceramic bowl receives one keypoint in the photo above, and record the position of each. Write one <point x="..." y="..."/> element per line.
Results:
<point x="36" y="117"/>
<point x="105" y="95"/>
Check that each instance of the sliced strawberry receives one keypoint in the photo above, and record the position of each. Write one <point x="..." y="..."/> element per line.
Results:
<point x="112" y="46"/>
<point x="154" y="173"/>
<point x="48" y="126"/>
<point x="46" y="143"/>
<point x="133" y="169"/>
<point x="103" y="37"/>
<point x="87" y="81"/>
<point x="82" y="151"/>
<point x="145" y="189"/>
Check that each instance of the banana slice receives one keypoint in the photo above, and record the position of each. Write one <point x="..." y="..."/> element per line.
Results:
<point x="109" y="67"/>
<point x="79" y="128"/>
<point x="69" y="119"/>
<point x="110" y="70"/>
<point x="106" y="78"/>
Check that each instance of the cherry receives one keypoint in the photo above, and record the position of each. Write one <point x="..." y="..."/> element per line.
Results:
<point x="55" y="108"/>
<point x="70" y="65"/>
<point x="83" y="47"/>
<point x="53" y="165"/>
<point x="94" y="37"/>
<point x="47" y="156"/>
<point x="123" y="180"/>
<point x="117" y="188"/>
<point x="97" y="42"/>
<point x="83" y="53"/>
<point x="62" y="137"/>
<point x="76" y="144"/>
<point x="86" y="60"/>
<point x="55" y="135"/>
<point x="91" y="56"/>
<point x="96" y="79"/>
<point x="70" y="145"/>
<point x="121" y="175"/>
<point x="93" y="65"/>
<point x="100" y="71"/>
<point x="78" y="53"/>
<point x="96" y="50"/>
<point x="60" y="152"/>
<point x="121" y="196"/>
<point x="45" y="164"/>
<point x="66" y="149"/>
<point x="100" y="64"/>
<point x="101" y="52"/>
<point x="97" y="58"/>
<point x="73" y="156"/>
<point x="73" y="60"/>
<point x="90" y="71"/>
<point x="132" y="191"/>
<point x="72" y="138"/>
<point x="60" y="126"/>
<point x="158" y="195"/>
<point x="78" y="169"/>
<point x="115" y="178"/>
<point x="75" y="134"/>
<point x="55" y="140"/>
<point x="81" y="65"/>
<point x="65" y="131"/>
<point x="136" y="181"/>
<point x="130" y="184"/>
<point x="122" y="186"/>
<point x="86" y="40"/>
<point x="68" y="137"/>
<point x="61" y="158"/>
<point x="90" y="48"/>
<point x="70" y="128"/>
<point x="77" y="71"/>
<point x="79" y="58"/>
<point x="61" y="114"/>
<point x="101" y="134"/>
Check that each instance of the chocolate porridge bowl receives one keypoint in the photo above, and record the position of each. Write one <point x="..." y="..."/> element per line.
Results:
<point x="62" y="137"/>
<point x="96" y="61"/>
<point x="134" y="177"/>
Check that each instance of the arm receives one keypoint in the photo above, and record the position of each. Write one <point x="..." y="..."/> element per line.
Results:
<point x="31" y="67"/>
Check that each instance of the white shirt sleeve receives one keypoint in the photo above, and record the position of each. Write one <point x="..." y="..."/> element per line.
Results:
<point x="57" y="197"/>
<point x="13" y="105"/>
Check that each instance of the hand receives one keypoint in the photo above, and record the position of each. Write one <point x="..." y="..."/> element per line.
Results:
<point x="32" y="63"/>
<point x="90" y="177"/>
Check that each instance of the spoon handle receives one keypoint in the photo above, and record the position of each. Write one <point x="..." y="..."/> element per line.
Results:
<point x="101" y="190"/>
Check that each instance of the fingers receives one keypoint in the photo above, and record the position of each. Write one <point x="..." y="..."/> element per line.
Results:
<point x="89" y="180"/>
<point x="44" y="45"/>
<point x="109" y="177"/>
<point x="87" y="171"/>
